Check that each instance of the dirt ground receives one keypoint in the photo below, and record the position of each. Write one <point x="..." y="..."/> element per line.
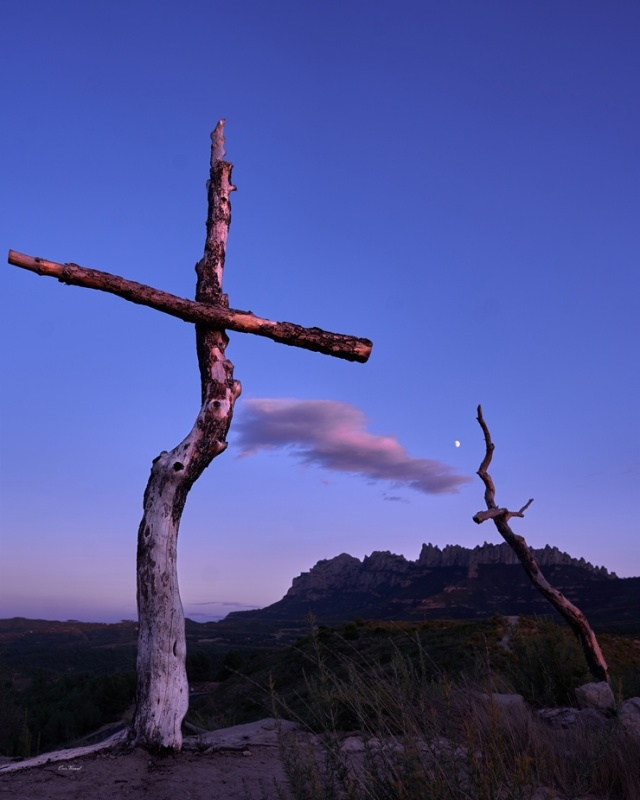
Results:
<point x="239" y="763"/>
<point x="186" y="776"/>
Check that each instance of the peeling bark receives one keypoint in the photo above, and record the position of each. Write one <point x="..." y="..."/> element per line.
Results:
<point x="501" y="516"/>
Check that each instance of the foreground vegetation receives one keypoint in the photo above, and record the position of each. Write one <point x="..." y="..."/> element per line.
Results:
<point x="420" y="736"/>
<point x="430" y="712"/>
<point x="538" y="659"/>
<point x="423" y="697"/>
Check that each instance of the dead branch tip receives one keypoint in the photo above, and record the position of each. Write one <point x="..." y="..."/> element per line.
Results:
<point x="217" y="143"/>
<point x="525" y="507"/>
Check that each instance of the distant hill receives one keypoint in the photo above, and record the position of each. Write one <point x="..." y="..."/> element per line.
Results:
<point x="71" y="646"/>
<point x="449" y="583"/>
<point x="454" y="582"/>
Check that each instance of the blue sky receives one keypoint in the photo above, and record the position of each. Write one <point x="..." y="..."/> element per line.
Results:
<point x="458" y="182"/>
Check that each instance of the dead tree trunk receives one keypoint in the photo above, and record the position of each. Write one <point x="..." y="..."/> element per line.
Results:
<point x="163" y="693"/>
<point x="501" y="516"/>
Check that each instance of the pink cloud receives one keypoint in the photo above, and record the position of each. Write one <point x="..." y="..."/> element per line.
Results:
<point x="333" y="435"/>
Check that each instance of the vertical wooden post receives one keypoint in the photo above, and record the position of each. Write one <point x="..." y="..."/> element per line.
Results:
<point x="162" y="690"/>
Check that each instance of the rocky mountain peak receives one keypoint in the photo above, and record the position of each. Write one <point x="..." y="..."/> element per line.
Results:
<point x="453" y="555"/>
<point x="383" y="569"/>
<point x="449" y="582"/>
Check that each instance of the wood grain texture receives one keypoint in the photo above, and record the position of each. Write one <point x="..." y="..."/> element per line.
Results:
<point x="215" y="315"/>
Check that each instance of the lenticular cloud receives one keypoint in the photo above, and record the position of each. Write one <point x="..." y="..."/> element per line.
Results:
<point x="333" y="435"/>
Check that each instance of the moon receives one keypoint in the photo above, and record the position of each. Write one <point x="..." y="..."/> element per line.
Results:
<point x="457" y="443"/>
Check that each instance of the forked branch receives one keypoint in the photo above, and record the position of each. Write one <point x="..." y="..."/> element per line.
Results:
<point x="501" y="516"/>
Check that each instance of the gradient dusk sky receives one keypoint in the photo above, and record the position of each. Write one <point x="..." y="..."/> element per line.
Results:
<point x="457" y="181"/>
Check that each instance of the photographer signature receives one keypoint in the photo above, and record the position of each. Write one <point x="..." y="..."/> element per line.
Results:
<point x="69" y="768"/>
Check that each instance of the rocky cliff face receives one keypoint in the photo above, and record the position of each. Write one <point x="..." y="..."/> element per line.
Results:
<point x="383" y="569"/>
<point x="453" y="555"/>
<point x="450" y="582"/>
<point x="345" y="571"/>
<point x="326" y="574"/>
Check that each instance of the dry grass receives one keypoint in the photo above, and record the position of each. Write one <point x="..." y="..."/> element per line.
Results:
<point x="425" y="739"/>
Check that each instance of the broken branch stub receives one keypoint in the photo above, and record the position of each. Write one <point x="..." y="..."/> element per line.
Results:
<point x="500" y="516"/>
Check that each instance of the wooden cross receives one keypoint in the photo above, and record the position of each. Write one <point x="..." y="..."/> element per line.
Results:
<point x="162" y="689"/>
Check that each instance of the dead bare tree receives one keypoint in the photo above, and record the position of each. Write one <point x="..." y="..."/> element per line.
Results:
<point x="162" y="690"/>
<point x="501" y="516"/>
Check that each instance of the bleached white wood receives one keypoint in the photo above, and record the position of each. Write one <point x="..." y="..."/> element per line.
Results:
<point x="69" y="754"/>
<point x="162" y="688"/>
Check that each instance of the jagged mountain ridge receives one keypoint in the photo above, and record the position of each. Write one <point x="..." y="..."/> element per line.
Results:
<point x="456" y="555"/>
<point x="454" y="581"/>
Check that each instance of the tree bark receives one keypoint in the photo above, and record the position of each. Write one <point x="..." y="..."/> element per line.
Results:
<point x="501" y="516"/>
<point x="215" y="315"/>
<point x="162" y="691"/>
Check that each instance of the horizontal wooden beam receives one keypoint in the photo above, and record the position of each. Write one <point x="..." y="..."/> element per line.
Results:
<point x="338" y="345"/>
